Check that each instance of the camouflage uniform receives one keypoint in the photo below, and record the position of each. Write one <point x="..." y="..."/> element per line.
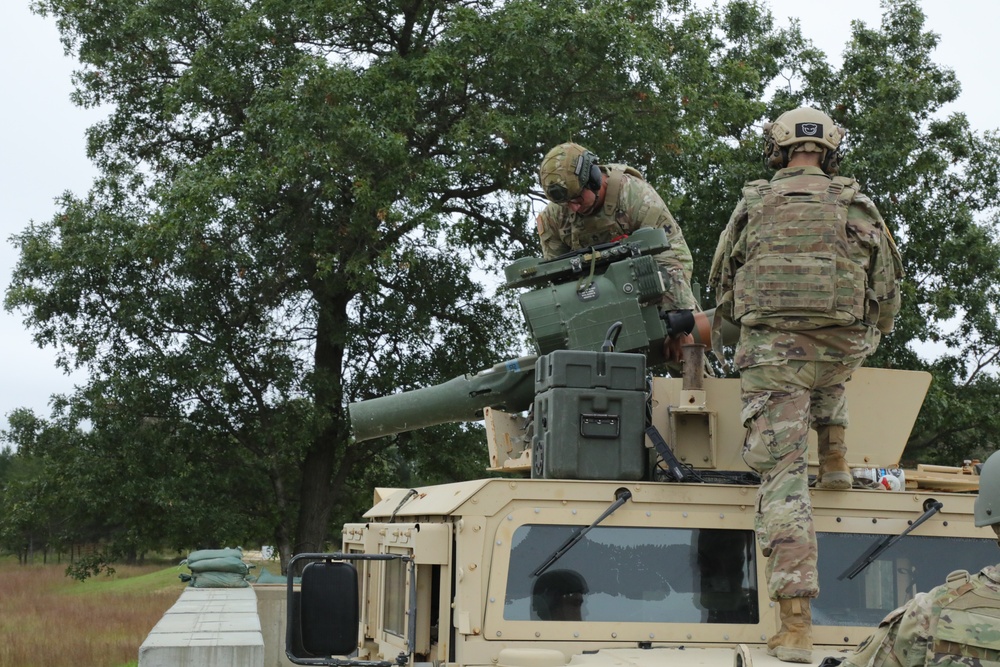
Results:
<point x="957" y="623"/>
<point x="629" y="203"/>
<point x="794" y="355"/>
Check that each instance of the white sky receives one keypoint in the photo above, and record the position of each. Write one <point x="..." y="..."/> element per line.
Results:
<point x="43" y="153"/>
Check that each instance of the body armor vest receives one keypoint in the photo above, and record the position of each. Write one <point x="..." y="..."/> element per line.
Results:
<point x="967" y="628"/>
<point x="802" y="271"/>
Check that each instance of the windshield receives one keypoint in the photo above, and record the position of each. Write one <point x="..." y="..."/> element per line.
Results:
<point x="623" y="574"/>
<point x="679" y="575"/>
<point x="913" y="564"/>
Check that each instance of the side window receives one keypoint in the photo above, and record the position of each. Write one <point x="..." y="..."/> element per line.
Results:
<point x="394" y="602"/>
<point x="615" y="574"/>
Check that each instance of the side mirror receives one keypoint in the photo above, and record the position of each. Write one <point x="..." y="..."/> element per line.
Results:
<point x="323" y="614"/>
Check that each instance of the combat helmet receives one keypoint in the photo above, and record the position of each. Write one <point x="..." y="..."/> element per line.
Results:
<point x="987" y="509"/>
<point x="566" y="170"/>
<point x="803" y="129"/>
<point x="553" y="585"/>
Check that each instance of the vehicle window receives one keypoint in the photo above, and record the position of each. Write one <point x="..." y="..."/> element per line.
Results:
<point x="628" y="574"/>
<point x="394" y="608"/>
<point x="913" y="564"/>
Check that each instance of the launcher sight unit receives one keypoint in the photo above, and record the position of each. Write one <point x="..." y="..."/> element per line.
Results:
<point x="573" y="299"/>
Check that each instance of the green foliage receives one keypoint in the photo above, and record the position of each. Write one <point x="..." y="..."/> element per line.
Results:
<point x="128" y="489"/>
<point x="89" y="566"/>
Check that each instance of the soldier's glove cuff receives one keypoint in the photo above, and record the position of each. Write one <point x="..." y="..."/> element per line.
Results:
<point x="679" y="322"/>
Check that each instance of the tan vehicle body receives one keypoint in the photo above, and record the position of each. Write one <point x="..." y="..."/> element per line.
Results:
<point x="467" y="539"/>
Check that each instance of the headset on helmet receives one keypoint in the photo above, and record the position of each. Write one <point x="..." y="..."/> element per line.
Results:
<point x="805" y="129"/>
<point x="566" y="170"/>
<point x="987" y="508"/>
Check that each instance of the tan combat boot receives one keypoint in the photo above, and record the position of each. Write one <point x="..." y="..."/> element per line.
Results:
<point x="793" y="643"/>
<point x="834" y="473"/>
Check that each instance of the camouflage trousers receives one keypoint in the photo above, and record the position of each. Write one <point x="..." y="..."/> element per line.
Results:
<point x="780" y="403"/>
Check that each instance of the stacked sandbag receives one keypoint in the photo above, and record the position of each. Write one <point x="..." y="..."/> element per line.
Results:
<point x="216" y="568"/>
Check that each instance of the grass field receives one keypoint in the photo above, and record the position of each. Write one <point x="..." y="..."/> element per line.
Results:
<point x="50" y="620"/>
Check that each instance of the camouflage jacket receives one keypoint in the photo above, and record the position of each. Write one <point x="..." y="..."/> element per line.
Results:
<point x="629" y="203"/>
<point x="957" y="623"/>
<point x="867" y="241"/>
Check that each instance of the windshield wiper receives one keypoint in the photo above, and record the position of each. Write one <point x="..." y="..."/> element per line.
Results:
<point x="409" y="494"/>
<point x="623" y="495"/>
<point x="931" y="507"/>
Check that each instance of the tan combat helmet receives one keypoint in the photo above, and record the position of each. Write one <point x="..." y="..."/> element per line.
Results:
<point x="558" y="594"/>
<point x="987" y="508"/>
<point x="803" y="129"/>
<point x="566" y="170"/>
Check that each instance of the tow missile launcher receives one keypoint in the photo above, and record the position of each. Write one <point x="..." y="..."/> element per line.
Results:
<point x="569" y="304"/>
<point x="623" y="530"/>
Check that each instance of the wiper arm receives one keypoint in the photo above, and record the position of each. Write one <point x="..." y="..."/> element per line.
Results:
<point x="931" y="507"/>
<point x="622" y="496"/>
<point x="409" y="494"/>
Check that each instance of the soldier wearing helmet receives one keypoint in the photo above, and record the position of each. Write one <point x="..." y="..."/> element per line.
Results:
<point x="558" y="595"/>
<point x="957" y="623"/>
<point x="592" y="203"/>
<point x="808" y="269"/>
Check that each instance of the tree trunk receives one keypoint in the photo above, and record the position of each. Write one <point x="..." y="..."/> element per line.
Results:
<point x="317" y="492"/>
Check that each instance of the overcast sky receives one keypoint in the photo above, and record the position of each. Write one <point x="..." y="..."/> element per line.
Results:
<point x="43" y="153"/>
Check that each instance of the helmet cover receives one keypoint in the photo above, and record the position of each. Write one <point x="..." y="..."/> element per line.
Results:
<point x="805" y="125"/>
<point x="566" y="170"/>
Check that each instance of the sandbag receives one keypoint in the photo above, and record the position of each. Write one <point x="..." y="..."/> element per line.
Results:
<point x="204" y="554"/>
<point x="218" y="580"/>
<point x="227" y="564"/>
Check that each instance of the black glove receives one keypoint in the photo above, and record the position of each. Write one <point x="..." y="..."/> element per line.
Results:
<point x="679" y="322"/>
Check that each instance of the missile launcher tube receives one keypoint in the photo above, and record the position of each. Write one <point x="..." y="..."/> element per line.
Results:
<point x="508" y="386"/>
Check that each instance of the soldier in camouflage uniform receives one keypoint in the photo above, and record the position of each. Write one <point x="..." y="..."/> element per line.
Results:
<point x="591" y="204"/>
<point x="807" y="268"/>
<point x="957" y="623"/>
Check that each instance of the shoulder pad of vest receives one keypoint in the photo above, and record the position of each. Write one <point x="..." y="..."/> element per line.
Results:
<point x="957" y="577"/>
<point x="632" y="171"/>
<point x="618" y="169"/>
<point x="752" y="189"/>
<point x="615" y="173"/>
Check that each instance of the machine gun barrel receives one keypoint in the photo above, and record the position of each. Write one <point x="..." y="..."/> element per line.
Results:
<point x="509" y="386"/>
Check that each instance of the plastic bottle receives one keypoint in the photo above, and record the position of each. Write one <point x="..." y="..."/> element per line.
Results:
<point x="890" y="482"/>
<point x="890" y="479"/>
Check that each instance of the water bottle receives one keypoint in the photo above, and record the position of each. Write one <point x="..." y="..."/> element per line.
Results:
<point x="890" y="479"/>
<point x="890" y="482"/>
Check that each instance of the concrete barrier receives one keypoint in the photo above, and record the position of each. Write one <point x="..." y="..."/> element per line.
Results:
<point x="207" y="626"/>
<point x="271" y="606"/>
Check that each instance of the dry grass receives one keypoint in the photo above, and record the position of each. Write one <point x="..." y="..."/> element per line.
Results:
<point x="47" y="619"/>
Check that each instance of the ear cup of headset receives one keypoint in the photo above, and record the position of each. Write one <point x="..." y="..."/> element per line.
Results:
<point x="775" y="156"/>
<point x="831" y="162"/>
<point x="595" y="177"/>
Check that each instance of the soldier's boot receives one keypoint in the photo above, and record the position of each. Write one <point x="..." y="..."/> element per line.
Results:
<point x="834" y="473"/>
<point x="793" y="643"/>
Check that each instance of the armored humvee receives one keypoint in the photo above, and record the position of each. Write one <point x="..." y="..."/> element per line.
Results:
<point x="622" y="531"/>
